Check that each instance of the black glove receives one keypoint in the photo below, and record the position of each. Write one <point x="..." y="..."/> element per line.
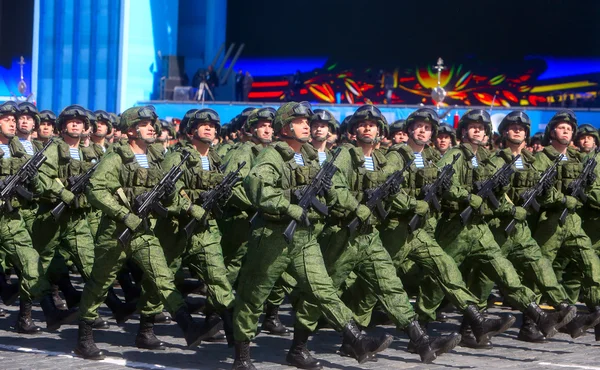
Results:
<point x="169" y="188"/>
<point x="395" y="188"/>
<point x="327" y="183"/>
<point x="226" y="195"/>
<point x="446" y="183"/>
<point x="31" y="172"/>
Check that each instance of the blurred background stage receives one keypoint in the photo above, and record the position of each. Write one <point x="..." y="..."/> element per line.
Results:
<point x="112" y="54"/>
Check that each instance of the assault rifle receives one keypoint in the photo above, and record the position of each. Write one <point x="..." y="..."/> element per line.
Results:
<point x="150" y="200"/>
<point x="376" y="196"/>
<point x="77" y="186"/>
<point x="577" y="187"/>
<point x="433" y="190"/>
<point x="307" y="196"/>
<point x="486" y="188"/>
<point x="15" y="183"/>
<point x="529" y="196"/>
<point x="211" y="199"/>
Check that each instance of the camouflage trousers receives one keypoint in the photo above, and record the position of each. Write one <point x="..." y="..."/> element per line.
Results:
<point x="158" y="285"/>
<point x="570" y="247"/>
<point x="268" y="257"/>
<point x="526" y="256"/>
<point x="16" y="245"/>
<point x="420" y="248"/>
<point x="473" y="245"/>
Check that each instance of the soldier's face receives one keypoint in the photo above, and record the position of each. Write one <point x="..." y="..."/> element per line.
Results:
<point x="26" y="124"/>
<point x="301" y="129"/>
<point x="476" y="133"/>
<point x="319" y="131"/>
<point x="145" y="131"/>
<point x="101" y="129"/>
<point x="563" y="133"/>
<point x="586" y="143"/>
<point x="400" y="137"/>
<point x="264" y="131"/>
<point x="421" y="131"/>
<point x="45" y="130"/>
<point x="8" y="125"/>
<point x="516" y="133"/>
<point x="206" y="131"/>
<point x="443" y="142"/>
<point x="367" y="131"/>
<point x="74" y="127"/>
<point x="164" y="136"/>
<point x="332" y="139"/>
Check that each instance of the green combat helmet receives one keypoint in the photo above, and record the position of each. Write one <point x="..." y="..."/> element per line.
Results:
<point x="322" y="115"/>
<point x="262" y="114"/>
<point x="449" y="130"/>
<point x="73" y="112"/>
<point x="288" y="111"/>
<point x="475" y="115"/>
<point x="28" y="109"/>
<point x="166" y="125"/>
<point x="135" y="115"/>
<point x="367" y="112"/>
<point x="588" y="129"/>
<point x="424" y="115"/>
<point x="396" y="126"/>
<point x="186" y="119"/>
<point x="204" y="115"/>
<point x="9" y="108"/>
<point x="48" y="116"/>
<point x="515" y="117"/>
<point x="563" y="116"/>
<point x="103" y="116"/>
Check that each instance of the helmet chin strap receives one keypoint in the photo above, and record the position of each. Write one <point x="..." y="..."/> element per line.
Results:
<point x="302" y="141"/>
<point x="514" y="141"/>
<point x="23" y="131"/>
<point x="417" y="141"/>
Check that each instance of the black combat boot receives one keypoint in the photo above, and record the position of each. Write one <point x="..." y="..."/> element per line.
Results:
<point x="298" y="355"/>
<point x="581" y="323"/>
<point x="363" y="346"/>
<point x="544" y="322"/>
<point x="529" y="332"/>
<point x="163" y="318"/>
<point x="597" y="332"/>
<point x="100" y="323"/>
<point x="193" y="332"/>
<point x="272" y="324"/>
<point x="55" y="317"/>
<point x="145" y="338"/>
<point x="563" y="315"/>
<point x="483" y="327"/>
<point x="212" y="325"/>
<point x="242" y="359"/>
<point x="188" y="287"/>
<point x="72" y="295"/>
<point x="2" y="312"/>
<point x="196" y="305"/>
<point x="58" y="301"/>
<point x="468" y="338"/>
<point x="86" y="347"/>
<point x="429" y="348"/>
<point x="25" y="324"/>
<point x="346" y="349"/>
<point x="121" y="311"/>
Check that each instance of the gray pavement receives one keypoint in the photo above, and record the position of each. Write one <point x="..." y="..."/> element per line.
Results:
<point x="54" y="350"/>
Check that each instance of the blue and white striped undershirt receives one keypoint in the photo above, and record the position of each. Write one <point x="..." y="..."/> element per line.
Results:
<point x="298" y="159"/>
<point x="6" y="150"/>
<point x="369" y="165"/>
<point x="74" y="152"/>
<point x="27" y="145"/>
<point x="519" y="164"/>
<point x="322" y="157"/>
<point x="564" y="158"/>
<point x="205" y="163"/>
<point x="474" y="162"/>
<point x="419" y="162"/>
<point x="142" y="160"/>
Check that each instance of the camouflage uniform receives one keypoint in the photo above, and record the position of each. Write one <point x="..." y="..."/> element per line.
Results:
<point x="118" y="180"/>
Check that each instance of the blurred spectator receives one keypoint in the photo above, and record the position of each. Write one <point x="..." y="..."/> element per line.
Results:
<point x="297" y="82"/>
<point x="239" y="86"/>
<point x="247" y="85"/>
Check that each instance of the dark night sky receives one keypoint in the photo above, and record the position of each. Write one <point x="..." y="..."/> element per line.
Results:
<point x="16" y="29"/>
<point x="382" y="32"/>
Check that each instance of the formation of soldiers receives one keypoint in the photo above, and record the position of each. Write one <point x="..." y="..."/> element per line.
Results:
<point x="291" y="203"/>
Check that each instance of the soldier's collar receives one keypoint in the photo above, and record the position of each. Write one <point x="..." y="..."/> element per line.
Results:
<point x="467" y="149"/>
